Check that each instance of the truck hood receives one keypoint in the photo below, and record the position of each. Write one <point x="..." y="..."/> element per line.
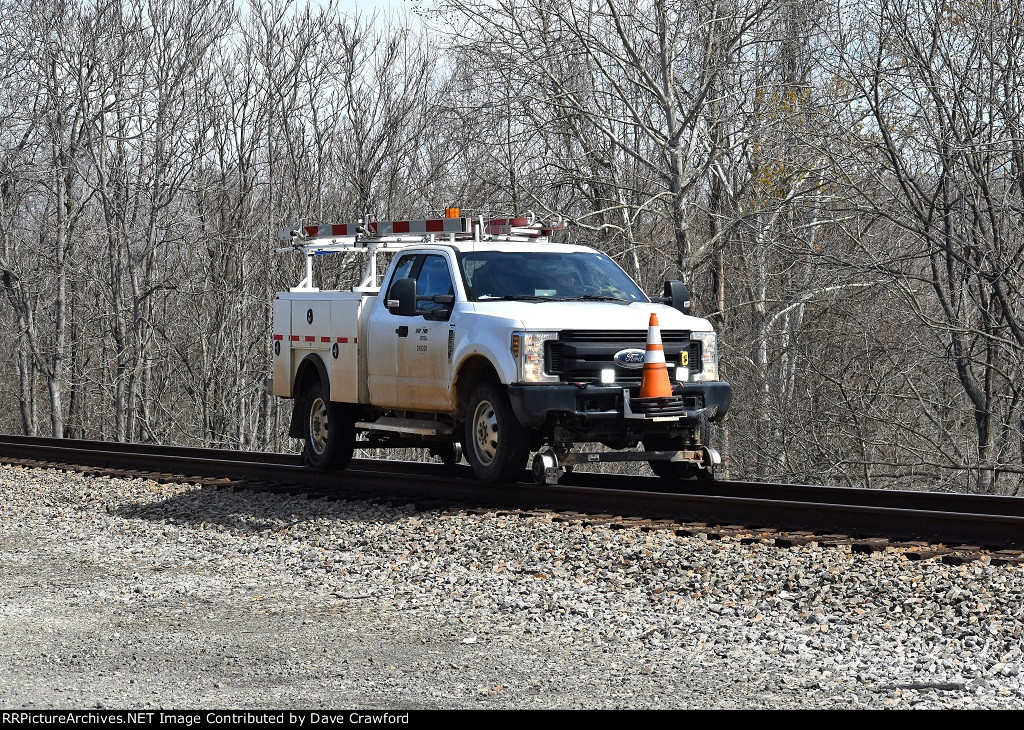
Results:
<point x="556" y="316"/>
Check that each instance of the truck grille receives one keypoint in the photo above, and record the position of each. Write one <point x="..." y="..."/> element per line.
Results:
<point x="579" y="356"/>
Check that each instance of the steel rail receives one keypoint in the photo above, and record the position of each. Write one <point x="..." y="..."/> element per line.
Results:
<point x="938" y="517"/>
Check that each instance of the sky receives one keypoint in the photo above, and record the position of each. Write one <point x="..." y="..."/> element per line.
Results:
<point x="371" y="5"/>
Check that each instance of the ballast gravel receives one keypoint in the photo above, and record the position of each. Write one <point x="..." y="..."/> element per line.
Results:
<point x="127" y="593"/>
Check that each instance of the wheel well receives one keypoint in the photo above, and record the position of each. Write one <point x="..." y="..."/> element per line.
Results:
<point x="472" y="372"/>
<point x="311" y="371"/>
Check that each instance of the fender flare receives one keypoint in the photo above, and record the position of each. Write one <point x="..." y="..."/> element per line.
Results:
<point x="311" y="363"/>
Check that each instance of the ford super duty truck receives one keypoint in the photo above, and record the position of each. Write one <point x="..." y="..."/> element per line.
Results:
<point x="483" y="339"/>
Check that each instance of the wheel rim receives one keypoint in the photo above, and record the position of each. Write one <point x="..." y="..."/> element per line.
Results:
<point x="318" y="425"/>
<point x="485" y="432"/>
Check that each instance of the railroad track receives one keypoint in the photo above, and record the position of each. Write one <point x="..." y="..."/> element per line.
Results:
<point x="949" y="526"/>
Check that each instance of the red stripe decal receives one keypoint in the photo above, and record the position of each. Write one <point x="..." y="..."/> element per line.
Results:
<point x="278" y="337"/>
<point x="294" y="338"/>
<point x="325" y="339"/>
<point x="339" y="230"/>
<point x="355" y="340"/>
<point x="310" y="338"/>
<point x="400" y="227"/>
<point x="343" y="339"/>
<point x="312" y="230"/>
<point x="434" y="225"/>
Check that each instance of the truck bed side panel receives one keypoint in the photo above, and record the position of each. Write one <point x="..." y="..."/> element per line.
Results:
<point x="282" y="349"/>
<point x="343" y="357"/>
<point x="368" y="303"/>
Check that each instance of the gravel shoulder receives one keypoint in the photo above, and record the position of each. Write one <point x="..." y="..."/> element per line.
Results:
<point x="126" y="593"/>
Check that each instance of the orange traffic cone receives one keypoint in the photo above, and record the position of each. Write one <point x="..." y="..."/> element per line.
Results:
<point x="654" y="382"/>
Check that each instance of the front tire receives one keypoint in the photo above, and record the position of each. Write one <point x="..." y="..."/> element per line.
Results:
<point x="329" y="432"/>
<point x="496" y="444"/>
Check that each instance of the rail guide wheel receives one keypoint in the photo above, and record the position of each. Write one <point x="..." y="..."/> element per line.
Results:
<point x="545" y="467"/>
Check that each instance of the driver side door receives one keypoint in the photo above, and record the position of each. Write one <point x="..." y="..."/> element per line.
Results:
<point x="424" y="368"/>
<point x="411" y="367"/>
<point x="382" y="332"/>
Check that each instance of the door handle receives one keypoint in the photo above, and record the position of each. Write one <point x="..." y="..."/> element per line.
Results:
<point x="402" y="331"/>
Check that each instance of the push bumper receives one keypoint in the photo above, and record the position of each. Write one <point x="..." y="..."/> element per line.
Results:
<point x="604" y="404"/>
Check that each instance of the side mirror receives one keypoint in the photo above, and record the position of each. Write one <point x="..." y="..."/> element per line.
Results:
<point x="441" y="313"/>
<point x="402" y="298"/>
<point x="677" y="295"/>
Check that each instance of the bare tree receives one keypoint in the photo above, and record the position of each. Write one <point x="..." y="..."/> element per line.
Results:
<point x="938" y="84"/>
<point x="622" y="79"/>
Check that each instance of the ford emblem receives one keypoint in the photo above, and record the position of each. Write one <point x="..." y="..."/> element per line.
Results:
<point x="632" y="358"/>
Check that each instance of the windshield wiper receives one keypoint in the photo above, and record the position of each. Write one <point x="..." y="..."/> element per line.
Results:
<point x="596" y="298"/>
<point x="515" y="298"/>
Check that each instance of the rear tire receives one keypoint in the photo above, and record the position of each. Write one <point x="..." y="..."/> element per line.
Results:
<point x="496" y="444"/>
<point x="329" y="431"/>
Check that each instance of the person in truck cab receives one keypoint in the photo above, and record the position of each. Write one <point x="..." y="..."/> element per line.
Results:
<point x="498" y="278"/>
<point x="563" y="278"/>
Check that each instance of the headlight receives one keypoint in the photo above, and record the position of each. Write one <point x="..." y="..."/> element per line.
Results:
<point x="528" y="349"/>
<point x="707" y="369"/>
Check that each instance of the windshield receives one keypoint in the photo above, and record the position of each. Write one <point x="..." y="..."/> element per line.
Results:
<point x="546" y="276"/>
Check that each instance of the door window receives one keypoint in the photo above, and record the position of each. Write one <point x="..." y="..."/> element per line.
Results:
<point x="403" y="270"/>
<point x="434" y="278"/>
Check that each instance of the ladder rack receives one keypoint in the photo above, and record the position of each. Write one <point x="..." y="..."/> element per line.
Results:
<point x="366" y="236"/>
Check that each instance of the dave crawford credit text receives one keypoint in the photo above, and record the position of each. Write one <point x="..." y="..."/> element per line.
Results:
<point x="190" y="719"/>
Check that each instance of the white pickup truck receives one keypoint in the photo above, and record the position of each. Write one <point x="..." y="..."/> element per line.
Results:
<point x="486" y="340"/>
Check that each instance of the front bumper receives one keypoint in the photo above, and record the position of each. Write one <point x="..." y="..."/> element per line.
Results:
<point x="603" y="405"/>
